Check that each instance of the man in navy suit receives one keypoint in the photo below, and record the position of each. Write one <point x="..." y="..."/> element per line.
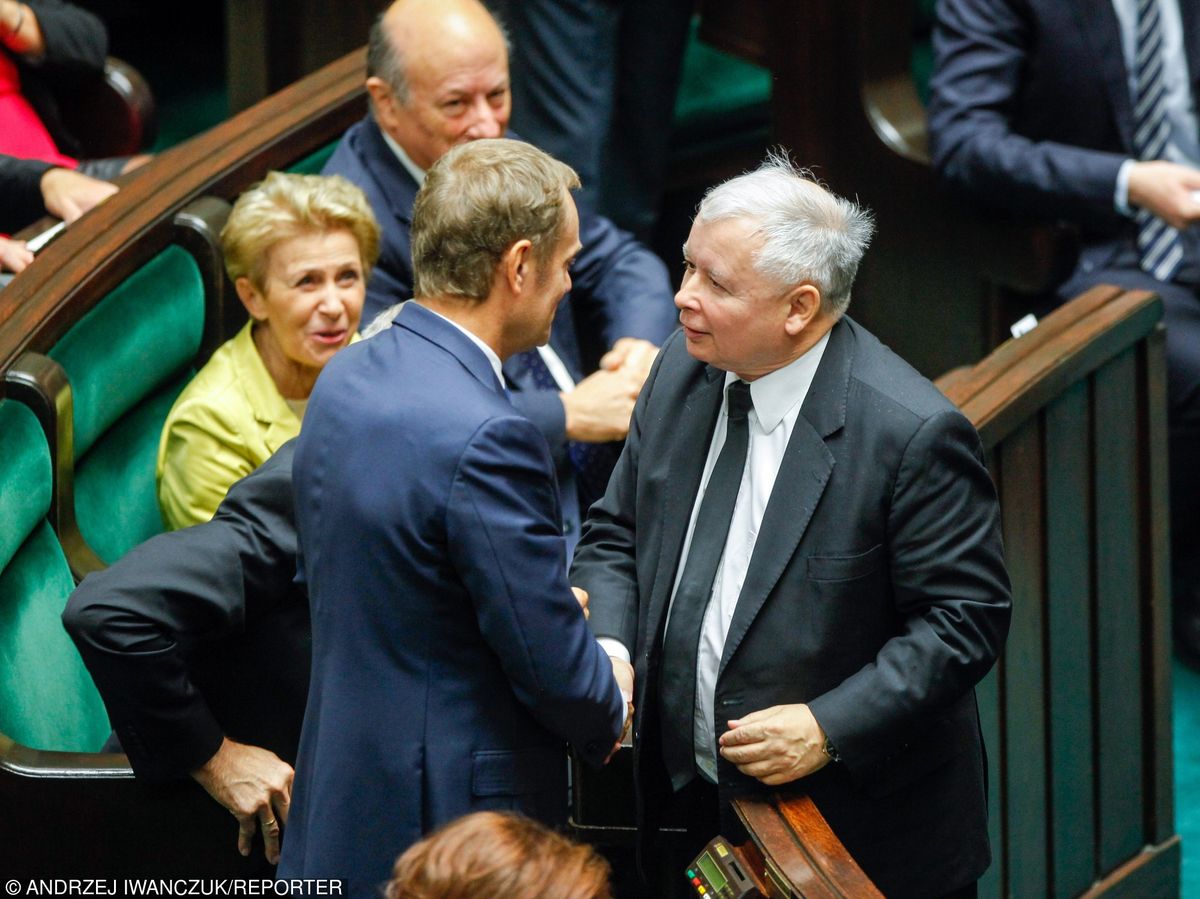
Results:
<point x="1084" y="111"/>
<point x="451" y="662"/>
<point x="438" y="76"/>
<point x="799" y="552"/>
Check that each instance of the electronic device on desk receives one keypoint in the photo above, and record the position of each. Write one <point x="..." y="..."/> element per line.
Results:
<point x="792" y="854"/>
<point x="720" y="872"/>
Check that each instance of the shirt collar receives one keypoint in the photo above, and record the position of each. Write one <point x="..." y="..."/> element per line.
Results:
<point x="492" y="358"/>
<point x="784" y="389"/>
<point x="418" y="173"/>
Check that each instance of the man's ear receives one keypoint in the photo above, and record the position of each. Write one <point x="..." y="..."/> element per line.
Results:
<point x="383" y="101"/>
<point x="251" y="298"/>
<point x="517" y="265"/>
<point x="804" y="304"/>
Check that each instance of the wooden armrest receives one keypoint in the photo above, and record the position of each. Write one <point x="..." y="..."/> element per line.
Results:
<point x="793" y="852"/>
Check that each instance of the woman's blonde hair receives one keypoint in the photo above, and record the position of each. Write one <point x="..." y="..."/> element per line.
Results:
<point x="282" y="206"/>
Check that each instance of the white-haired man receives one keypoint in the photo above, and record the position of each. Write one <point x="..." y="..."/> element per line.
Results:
<point x="800" y="551"/>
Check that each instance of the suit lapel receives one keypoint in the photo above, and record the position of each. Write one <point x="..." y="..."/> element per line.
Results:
<point x="803" y="474"/>
<point x="398" y="186"/>
<point x="1190" y="13"/>
<point x="694" y="433"/>
<point x="1101" y="28"/>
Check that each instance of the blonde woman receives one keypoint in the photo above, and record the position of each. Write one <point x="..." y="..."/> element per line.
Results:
<point x="299" y="249"/>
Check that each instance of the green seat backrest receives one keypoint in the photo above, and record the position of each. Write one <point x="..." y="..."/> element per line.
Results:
<point x="126" y="361"/>
<point x="922" y="50"/>
<point x="47" y="699"/>
<point x="314" y="162"/>
<point x="718" y="90"/>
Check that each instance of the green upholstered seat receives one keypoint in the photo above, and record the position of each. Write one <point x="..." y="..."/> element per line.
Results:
<point x="314" y="162"/>
<point x="126" y="361"/>
<point x="922" y="50"/>
<point x="718" y="91"/>
<point x="47" y="699"/>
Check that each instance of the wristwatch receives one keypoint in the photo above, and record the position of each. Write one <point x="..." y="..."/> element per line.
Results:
<point x="831" y="751"/>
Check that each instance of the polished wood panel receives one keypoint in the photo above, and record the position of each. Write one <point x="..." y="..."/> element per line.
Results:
<point x="1023" y="742"/>
<point x="1069" y="587"/>
<point x="1073" y="418"/>
<point x="797" y="846"/>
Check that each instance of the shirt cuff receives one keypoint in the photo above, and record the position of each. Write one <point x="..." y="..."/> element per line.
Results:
<point x="615" y="648"/>
<point x="1121" y="192"/>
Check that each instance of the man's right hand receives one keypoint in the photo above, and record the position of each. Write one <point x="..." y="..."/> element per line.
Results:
<point x="256" y="786"/>
<point x="1167" y="190"/>
<point x="68" y="194"/>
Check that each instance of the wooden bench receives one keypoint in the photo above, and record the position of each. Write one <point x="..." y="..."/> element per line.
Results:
<point x="82" y="813"/>
<point x="1077" y="715"/>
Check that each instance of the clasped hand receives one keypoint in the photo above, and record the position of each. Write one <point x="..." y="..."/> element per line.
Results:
<point x="776" y="745"/>
<point x="600" y="406"/>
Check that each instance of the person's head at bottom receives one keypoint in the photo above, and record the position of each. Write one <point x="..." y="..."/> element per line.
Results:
<point x="489" y="854"/>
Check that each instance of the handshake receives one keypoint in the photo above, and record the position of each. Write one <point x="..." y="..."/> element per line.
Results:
<point x="599" y="408"/>
<point x="622" y="671"/>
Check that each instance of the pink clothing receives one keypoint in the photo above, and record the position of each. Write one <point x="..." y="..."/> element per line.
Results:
<point x="23" y="134"/>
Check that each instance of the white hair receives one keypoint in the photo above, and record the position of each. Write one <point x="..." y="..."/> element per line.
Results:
<point x="809" y="234"/>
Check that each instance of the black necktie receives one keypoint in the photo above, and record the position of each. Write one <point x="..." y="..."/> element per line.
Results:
<point x="680" y="645"/>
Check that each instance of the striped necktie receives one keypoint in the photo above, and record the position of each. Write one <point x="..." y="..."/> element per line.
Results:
<point x="1159" y="245"/>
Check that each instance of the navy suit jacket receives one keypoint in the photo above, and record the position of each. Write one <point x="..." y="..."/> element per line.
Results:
<point x="619" y="289"/>
<point x="876" y="593"/>
<point x="1030" y="109"/>
<point x="451" y="663"/>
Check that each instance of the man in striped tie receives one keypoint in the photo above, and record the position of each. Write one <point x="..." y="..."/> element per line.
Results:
<point x="1084" y="111"/>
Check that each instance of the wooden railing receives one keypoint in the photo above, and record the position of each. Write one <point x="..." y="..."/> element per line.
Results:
<point x="1077" y="714"/>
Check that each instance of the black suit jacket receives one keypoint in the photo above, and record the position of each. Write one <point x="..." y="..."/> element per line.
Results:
<point x="76" y="47"/>
<point x="1030" y="110"/>
<point x="21" y="192"/>
<point x="201" y="633"/>
<point x="876" y="593"/>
